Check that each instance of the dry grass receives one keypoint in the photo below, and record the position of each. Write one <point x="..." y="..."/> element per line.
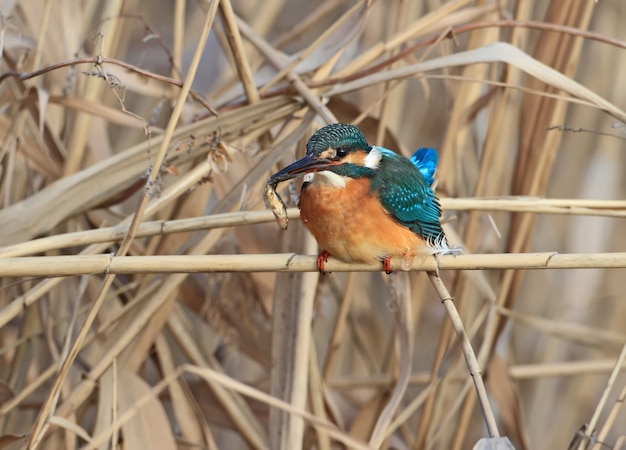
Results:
<point x="149" y="132"/>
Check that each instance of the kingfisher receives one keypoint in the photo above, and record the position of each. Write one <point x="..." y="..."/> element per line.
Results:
<point x="364" y="203"/>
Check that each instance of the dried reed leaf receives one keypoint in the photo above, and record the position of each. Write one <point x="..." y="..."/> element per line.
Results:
<point x="111" y="115"/>
<point x="427" y="22"/>
<point x="291" y="344"/>
<point x="110" y="17"/>
<point x="364" y="422"/>
<point x="571" y="332"/>
<point x="497" y="52"/>
<point x="70" y="426"/>
<point x="400" y="295"/>
<point x="149" y="427"/>
<point x="42" y="101"/>
<point x="235" y="385"/>
<point x="5" y="393"/>
<point x="90" y="187"/>
<point x="107" y="407"/>
<point x="232" y="403"/>
<point x="506" y="396"/>
<point x="334" y="39"/>
<point x="186" y="414"/>
<point x="7" y="439"/>
<point x="316" y="393"/>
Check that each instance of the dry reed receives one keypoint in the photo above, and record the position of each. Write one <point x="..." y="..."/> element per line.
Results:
<point x="149" y="301"/>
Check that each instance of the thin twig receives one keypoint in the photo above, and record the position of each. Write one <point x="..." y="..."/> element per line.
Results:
<point x="465" y="29"/>
<point x="401" y="298"/>
<point x="105" y="60"/>
<point x="518" y="372"/>
<point x="278" y="60"/>
<point x="468" y="352"/>
<point x="593" y="422"/>
<point x="236" y="45"/>
<point x="60" y="266"/>
<point x="610" y="420"/>
<point x="604" y="208"/>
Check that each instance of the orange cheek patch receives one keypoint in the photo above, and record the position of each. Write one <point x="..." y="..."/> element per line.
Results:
<point x="357" y="158"/>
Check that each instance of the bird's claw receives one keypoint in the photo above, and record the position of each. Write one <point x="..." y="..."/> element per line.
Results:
<point x="322" y="258"/>
<point x="387" y="265"/>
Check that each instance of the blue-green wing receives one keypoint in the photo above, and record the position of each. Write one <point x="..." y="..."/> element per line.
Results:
<point x="408" y="198"/>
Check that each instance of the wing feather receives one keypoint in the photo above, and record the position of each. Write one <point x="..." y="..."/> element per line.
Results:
<point x="409" y="199"/>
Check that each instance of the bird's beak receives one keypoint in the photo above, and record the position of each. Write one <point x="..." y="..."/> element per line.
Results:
<point x="307" y="164"/>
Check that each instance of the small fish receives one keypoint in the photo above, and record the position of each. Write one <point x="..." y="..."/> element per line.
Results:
<point x="276" y="204"/>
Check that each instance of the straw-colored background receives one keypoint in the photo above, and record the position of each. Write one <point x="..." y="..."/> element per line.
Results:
<point x="482" y="81"/>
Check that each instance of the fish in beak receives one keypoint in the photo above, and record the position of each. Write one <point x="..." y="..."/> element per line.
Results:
<point x="304" y="165"/>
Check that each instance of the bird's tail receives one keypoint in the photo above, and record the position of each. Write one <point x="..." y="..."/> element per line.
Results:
<point x="426" y="161"/>
<point x="440" y="246"/>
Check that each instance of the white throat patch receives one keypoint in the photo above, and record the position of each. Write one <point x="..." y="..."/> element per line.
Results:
<point x="373" y="158"/>
<point x="325" y="178"/>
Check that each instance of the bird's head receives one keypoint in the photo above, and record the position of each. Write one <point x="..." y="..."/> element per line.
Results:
<point x="337" y="148"/>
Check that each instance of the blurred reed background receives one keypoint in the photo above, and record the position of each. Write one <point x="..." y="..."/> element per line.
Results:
<point x="137" y="365"/>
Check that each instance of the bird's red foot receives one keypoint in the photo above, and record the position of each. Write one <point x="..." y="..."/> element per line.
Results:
<point x="321" y="260"/>
<point x="387" y="265"/>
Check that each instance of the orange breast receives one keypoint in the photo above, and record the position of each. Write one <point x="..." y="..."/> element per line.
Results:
<point x="351" y="225"/>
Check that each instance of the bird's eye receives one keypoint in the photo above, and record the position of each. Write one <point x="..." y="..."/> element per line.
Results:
<point x="342" y="151"/>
